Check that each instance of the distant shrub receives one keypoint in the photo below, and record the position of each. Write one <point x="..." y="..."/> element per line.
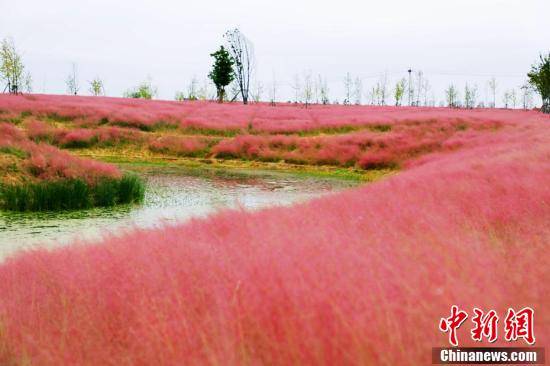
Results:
<point x="144" y="90"/>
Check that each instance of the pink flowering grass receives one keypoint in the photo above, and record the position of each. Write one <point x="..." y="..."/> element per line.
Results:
<point x="46" y="162"/>
<point x="359" y="277"/>
<point x="49" y="163"/>
<point x="41" y="177"/>
<point x="81" y="137"/>
<point x="364" y="137"/>
<point x="181" y="145"/>
<point x="365" y="149"/>
<point x="258" y="118"/>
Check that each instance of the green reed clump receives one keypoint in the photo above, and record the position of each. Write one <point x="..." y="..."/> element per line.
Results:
<point x="131" y="189"/>
<point x="71" y="194"/>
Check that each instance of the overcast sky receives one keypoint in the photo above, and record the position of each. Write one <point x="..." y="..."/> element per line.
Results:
<point x="125" y="41"/>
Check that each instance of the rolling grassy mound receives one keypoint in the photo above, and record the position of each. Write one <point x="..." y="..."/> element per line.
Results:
<point x="359" y="277"/>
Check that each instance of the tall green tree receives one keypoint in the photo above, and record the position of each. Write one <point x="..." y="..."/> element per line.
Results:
<point x="539" y="77"/>
<point x="222" y="71"/>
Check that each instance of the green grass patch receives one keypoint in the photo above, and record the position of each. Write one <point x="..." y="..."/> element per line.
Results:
<point x="192" y="130"/>
<point x="81" y="144"/>
<point x="14" y="151"/>
<point x="54" y="117"/>
<point x="71" y="194"/>
<point x="335" y="130"/>
<point x="380" y="128"/>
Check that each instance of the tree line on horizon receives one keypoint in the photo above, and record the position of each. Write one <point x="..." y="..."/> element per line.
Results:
<point x="232" y="76"/>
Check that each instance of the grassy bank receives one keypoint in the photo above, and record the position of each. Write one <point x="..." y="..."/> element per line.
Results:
<point x="139" y="160"/>
<point x="70" y="194"/>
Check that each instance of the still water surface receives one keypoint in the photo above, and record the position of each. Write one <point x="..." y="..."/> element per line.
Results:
<point x="169" y="199"/>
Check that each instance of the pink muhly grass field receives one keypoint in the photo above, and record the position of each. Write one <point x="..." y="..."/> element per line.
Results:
<point x="180" y="145"/>
<point x="81" y="137"/>
<point x="46" y="162"/>
<point x="359" y="277"/>
<point x="366" y="137"/>
<point x="261" y="117"/>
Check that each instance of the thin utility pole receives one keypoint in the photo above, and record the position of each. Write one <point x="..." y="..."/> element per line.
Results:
<point x="410" y="95"/>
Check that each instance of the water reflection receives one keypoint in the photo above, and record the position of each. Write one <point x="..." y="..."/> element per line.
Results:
<point x="169" y="199"/>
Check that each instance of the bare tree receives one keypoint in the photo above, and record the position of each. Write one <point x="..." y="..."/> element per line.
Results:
<point x="73" y="85"/>
<point x="27" y="83"/>
<point x="296" y="86"/>
<point x="451" y="95"/>
<point x="358" y="91"/>
<point x="96" y="87"/>
<point x="474" y="94"/>
<point x="420" y="90"/>
<point x="419" y="83"/>
<point x="426" y="87"/>
<point x="180" y="96"/>
<point x="373" y="95"/>
<point x="431" y="101"/>
<point x="398" y="91"/>
<point x="492" y="83"/>
<point x="513" y="98"/>
<point x="235" y="91"/>
<point x="242" y="51"/>
<point x="323" y="90"/>
<point x="470" y="96"/>
<point x="192" y="89"/>
<point x="273" y="90"/>
<point x="381" y="88"/>
<point x="348" y="85"/>
<point x="527" y="96"/>
<point x="316" y="90"/>
<point x="204" y="92"/>
<point x="257" y="91"/>
<point x="506" y="98"/>
<point x="307" y="90"/>
<point x="11" y="67"/>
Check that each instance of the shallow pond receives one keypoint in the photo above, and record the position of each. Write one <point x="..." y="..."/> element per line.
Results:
<point x="169" y="199"/>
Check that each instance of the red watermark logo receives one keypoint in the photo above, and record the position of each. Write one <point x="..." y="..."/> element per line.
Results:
<point x="517" y="325"/>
